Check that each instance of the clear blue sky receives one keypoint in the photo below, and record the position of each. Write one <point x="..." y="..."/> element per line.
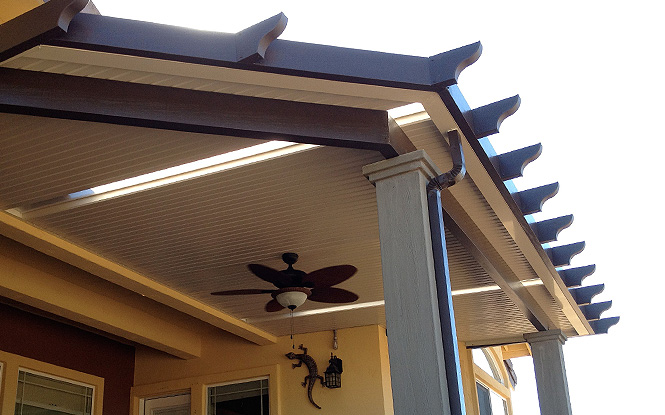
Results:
<point x="590" y="75"/>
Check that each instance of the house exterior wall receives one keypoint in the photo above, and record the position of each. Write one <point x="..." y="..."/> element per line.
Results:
<point x="222" y="357"/>
<point x="227" y="358"/>
<point x="45" y="340"/>
<point x="37" y="282"/>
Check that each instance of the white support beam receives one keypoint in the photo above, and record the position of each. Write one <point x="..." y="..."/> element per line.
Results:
<point x="56" y="247"/>
<point x="417" y="363"/>
<point x="29" y="279"/>
<point x="548" y="363"/>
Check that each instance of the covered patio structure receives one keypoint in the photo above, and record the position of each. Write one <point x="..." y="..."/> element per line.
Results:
<point x="114" y="233"/>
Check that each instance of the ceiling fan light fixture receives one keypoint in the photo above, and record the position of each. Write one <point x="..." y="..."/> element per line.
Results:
<point x="292" y="297"/>
<point x="294" y="287"/>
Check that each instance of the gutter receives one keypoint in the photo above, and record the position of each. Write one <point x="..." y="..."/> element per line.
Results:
<point x="442" y="274"/>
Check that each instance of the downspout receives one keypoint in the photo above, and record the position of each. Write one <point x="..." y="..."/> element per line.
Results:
<point x="442" y="275"/>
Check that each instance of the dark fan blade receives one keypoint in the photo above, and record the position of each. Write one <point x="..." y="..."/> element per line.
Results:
<point x="332" y="295"/>
<point x="273" y="306"/>
<point x="268" y="274"/>
<point x="329" y="276"/>
<point x="242" y="292"/>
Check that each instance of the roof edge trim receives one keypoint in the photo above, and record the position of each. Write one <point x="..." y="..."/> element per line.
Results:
<point x="447" y="66"/>
<point x="487" y="119"/>
<point x="511" y="165"/>
<point x="573" y="277"/>
<point x="257" y="49"/>
<point x="252" y="42"/>
<point x="603" y="325"/>
<point x="548" y="230"/>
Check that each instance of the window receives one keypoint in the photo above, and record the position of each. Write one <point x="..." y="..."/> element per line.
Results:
<point x="39" y="394"/>
<point x="244" y="398"/>
<point x="239" y="392"/>
<point x="489" y="402"/>
<point x="483" y="359"/>
<point x="34" y="387"/>
<point x="493" y="394"/>
<point x="167" y="405"/>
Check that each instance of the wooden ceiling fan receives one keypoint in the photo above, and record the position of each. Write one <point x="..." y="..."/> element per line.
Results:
<point x="295" y="286"/>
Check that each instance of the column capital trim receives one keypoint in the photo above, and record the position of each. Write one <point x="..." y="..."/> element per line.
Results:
<point x="543" y="336"/>
<point x="414" y="161"/>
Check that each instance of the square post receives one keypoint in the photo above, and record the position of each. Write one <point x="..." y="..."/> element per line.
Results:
<point x="417" y="363"/>
<point x="550" y="369"/>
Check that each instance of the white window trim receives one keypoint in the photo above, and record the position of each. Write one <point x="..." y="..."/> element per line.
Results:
<point x="233" y="382"/>
<point x="60" y="378"/>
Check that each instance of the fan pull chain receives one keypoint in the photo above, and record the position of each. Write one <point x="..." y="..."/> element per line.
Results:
<point x="293" y="343"/>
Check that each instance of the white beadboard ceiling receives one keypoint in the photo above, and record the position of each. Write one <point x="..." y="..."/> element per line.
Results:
<point x="198" y="236"/>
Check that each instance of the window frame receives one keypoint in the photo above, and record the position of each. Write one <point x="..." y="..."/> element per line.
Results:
<point x="197" y="386"/>
<point x="489" y="381"/>
<point x="13" y="363"/>
<point x="234" y="382"/>
<point x="491" y="360"/>
<point x="60" y="379"/>
<point x="168" y="399"/>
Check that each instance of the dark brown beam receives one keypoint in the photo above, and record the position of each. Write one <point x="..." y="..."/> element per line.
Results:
<point x="127" y="37"/>
<point x="115" y="102"/>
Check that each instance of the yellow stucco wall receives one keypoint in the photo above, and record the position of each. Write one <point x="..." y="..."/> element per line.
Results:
<point x="214" y="356"/>
<point x="42" y="282"/>
<point x="12" y="8"/>
<point x="365" y="381"/>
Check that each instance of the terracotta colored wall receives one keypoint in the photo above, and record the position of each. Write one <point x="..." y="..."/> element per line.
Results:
<point x="60" y="344"/>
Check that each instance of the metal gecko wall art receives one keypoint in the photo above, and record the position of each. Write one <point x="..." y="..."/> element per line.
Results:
<point x="313" y="375"/>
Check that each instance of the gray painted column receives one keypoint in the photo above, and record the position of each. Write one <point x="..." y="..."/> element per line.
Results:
<point x="551" y="381"/>
<point x="417" y="365"/>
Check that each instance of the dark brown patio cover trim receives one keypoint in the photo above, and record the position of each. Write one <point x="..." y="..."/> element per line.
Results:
<point x="115" y="102"/>
<point x="254" y="49"/>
